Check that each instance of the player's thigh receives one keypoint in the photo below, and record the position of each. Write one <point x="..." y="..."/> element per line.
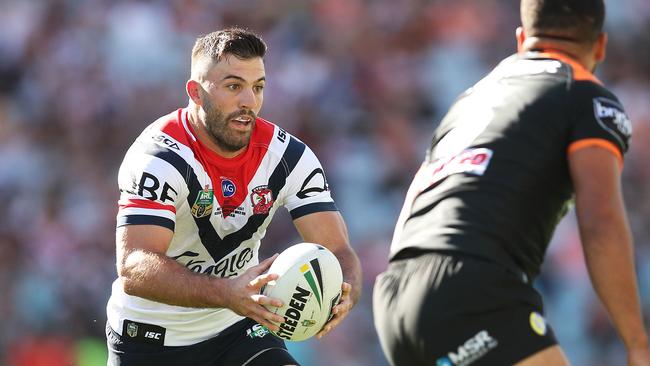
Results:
<point x="552" y="356"/>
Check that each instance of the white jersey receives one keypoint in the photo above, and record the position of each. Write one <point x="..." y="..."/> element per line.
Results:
<point x="218" y="209"/>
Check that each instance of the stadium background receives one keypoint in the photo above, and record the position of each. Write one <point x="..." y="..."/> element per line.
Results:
<point x="362" y="82"/>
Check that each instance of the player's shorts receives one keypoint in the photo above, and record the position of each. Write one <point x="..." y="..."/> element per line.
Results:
<point x="244" y="343"/>
<point x="454" y="309"/>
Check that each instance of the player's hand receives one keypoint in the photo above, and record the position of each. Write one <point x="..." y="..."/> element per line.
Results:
<point x="340" y="311"/>
<point x="638" y="357"/>
<point x="244" y="296"/>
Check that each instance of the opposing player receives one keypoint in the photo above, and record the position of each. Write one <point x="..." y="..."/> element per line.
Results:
<point x="198" y="189"/>
<point x="511" y="153"/>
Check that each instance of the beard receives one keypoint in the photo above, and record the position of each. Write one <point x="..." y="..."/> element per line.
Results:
<point x="219" y="129"/>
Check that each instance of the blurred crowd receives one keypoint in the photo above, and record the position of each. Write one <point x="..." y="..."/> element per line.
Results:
<point x="363" y="82"/>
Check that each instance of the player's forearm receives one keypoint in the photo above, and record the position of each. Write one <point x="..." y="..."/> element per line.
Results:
<point x="610" y="259"/>
<point x="159" y="278"/>
<point x="351" y="268"/>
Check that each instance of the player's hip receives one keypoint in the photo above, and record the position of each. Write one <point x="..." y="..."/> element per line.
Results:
<point x="437" y="307"/>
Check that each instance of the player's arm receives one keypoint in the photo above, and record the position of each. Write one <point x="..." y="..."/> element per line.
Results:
<point x="607" y="243"/>
<point x="328" y="229"/>
<point x="146" y="271"/>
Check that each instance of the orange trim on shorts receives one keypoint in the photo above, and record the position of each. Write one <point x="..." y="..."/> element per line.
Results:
<point x="579" y="71"/>
<point x="607" y="145"/>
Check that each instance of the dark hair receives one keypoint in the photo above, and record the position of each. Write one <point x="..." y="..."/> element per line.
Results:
<point x="577" y="20"/>
<point x="234" y="41"/>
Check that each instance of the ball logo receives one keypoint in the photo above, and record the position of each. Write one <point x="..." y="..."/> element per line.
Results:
<point x="316" y="289"/>
<point x="228" y="188"/>
<point x="300" y="297"/>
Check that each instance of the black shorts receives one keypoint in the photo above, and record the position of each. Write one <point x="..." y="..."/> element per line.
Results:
<point x="243" y="343"/>
<point x="449" y="310"/>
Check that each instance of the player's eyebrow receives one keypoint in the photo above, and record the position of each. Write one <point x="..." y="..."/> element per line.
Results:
<point x="263" y="78"/>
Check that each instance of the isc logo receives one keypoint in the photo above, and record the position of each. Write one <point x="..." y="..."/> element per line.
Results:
<point x="153" y="335"/>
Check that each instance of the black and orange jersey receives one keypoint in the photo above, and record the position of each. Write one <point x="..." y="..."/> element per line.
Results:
<point x="496" y="180"/>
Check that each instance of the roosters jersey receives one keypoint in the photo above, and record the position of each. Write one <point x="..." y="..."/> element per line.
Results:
<point x="496" y="178"/>
<point x="218" y="209"/>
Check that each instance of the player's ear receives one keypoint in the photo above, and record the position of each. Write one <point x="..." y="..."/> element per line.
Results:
<point x="601" y="47"/>
<point x="521" y="37"/>
<point x="192" y="88"/>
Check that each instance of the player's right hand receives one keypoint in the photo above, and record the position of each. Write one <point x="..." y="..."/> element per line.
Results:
<point x="244" y="296"/>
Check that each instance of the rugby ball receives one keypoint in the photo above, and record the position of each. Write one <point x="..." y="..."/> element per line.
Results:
<point x="309" y="285"/>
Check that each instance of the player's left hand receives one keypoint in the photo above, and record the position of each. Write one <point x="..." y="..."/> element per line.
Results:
<point x="340" y="311"/>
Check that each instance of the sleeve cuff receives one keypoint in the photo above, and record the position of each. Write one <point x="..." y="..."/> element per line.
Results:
<point x="146" y="220"/>
<point x="311" y="208"/>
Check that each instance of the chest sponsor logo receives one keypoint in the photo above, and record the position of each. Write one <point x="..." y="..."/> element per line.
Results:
<point x="611" y="117"/>
<point x="230" y="266"/>
<point x="470" y="351"/>
<point x="204" y="202"/>
<point x="228" y="188"/>
<point x="262" y="200"/>
<point x="470" y="161"/>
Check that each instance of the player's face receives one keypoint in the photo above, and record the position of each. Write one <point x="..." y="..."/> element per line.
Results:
<point x="233" y="98"/>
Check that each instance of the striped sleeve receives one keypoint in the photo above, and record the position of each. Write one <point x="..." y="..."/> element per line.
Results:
<point x="306" y="190"/>
<point x="150" y="190"/>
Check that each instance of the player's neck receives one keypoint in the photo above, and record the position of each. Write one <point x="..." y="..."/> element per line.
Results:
<point x="574" y="50"/>
<point x="199" y="129"/>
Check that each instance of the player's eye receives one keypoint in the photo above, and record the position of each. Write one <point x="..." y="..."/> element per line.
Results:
<point x="258" y="88"/>
<point x="233" y="87"/>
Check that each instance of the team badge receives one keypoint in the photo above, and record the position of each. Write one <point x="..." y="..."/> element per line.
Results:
<point x="262" y="200"/>
<point x="202" y="207"/>
<point x="132" y="330"/>
<point x="228" y="188"/>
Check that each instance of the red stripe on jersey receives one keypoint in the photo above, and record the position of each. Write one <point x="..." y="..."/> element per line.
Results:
<point x="142" y="203"/>
<point x="236" y="172"/>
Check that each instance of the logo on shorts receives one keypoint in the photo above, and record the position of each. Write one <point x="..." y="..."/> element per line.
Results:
<point x="538" y="323"/>
<point x="262" y="200"/>
<point x="202" y="206"/>
<point x="470" y="351"/>
<point x="132" y="330"/>
<point x="257" y="331"/>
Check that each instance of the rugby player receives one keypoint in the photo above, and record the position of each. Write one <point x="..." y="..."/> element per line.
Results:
<point x="538" y="133"/>
<point x="198" y="189"/>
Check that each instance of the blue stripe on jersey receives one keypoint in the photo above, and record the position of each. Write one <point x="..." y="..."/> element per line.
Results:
<point x="145" y="220"/>
<point x="216" y="246"/>
<point x="311" y="208"/>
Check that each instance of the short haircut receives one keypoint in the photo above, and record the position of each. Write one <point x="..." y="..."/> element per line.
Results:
<point x="238" y="42"/>
<point x="577" y="20"/>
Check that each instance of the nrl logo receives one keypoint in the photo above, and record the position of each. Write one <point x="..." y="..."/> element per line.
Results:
<point x="132" y="330"/>
<point x="202" y="207"/>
